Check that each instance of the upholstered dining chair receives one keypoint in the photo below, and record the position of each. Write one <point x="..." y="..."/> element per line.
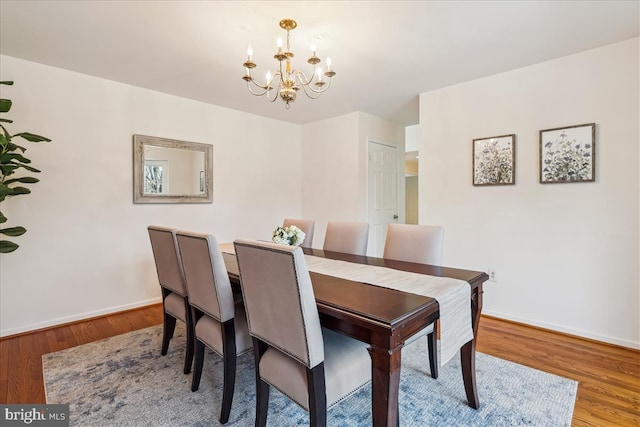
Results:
<point x="219" y="322"/>
<point x="306" y="225"/>
<point x="414" y="243"/>
<point x="420" y="244"/>
<point x="175" y="297"/>
<point x="314" y="367"/>
<point x="347" y="237"/>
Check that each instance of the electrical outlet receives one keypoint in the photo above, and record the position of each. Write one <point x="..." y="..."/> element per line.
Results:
<point x="493" y="275"/>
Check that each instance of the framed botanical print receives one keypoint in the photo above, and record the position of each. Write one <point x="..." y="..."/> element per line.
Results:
<point x="494" y="160"/>
<point x="567" y="154"/>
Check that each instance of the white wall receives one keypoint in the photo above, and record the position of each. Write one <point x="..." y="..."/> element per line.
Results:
<point x="86" y="251"/>
<point x="566" y="255"/>
<point x="335" y="161"/>
<point x="330" y="172"/>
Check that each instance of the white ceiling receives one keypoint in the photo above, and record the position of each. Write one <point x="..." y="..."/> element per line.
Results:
<point x="385" y="53"/>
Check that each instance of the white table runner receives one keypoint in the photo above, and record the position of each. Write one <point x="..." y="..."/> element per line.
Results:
<point x="453" y="295"/>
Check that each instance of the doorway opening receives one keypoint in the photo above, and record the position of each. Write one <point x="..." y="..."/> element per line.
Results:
<point x="411" y="187"/>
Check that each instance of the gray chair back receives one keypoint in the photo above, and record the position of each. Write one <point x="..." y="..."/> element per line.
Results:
<point x="306" y="225"/>
<point x="279" y="299"/>
<point x="347" y="237"/>
<point x="414" y="243"/>
<point x="167" y="258"/>
<point x="206" y="275"/>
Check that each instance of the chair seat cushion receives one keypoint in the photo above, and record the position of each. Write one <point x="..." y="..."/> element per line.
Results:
<point x="209" y="331"/>
<point x="347" y="367"/>
<point x="174" y="305"/>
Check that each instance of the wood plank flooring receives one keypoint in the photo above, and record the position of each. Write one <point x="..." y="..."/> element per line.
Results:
<point x="608" y="376"/>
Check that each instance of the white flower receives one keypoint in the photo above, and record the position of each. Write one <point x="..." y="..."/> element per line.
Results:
<point x="291" y="236"/>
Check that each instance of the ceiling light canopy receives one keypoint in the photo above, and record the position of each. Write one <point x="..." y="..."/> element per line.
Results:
<point x="288" y="79"/>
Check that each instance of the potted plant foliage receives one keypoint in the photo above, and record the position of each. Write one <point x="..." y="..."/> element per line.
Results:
<point x="12" y="160"/>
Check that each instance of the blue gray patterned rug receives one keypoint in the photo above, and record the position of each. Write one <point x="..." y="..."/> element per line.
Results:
<point x="123" y="381"/>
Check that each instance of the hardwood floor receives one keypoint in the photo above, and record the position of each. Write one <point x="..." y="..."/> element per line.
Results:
<point x="608" y="376"/>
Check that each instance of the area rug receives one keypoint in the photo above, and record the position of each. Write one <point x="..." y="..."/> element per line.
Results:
<point x="124" y="381"/>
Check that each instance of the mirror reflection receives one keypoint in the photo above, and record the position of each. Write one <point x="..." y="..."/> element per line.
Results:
<point x="171" y="171"/>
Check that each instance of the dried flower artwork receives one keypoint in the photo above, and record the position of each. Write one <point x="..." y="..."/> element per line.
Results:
<point x="567" y="154"/>
<point x="494" y="160"/>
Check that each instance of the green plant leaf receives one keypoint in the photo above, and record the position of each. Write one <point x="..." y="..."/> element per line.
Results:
<point x="16" y="191"/>
<point x="5" y="132"/>
<point x="13" y="231"/>
<point x="2" y="218"/>
<point x="29" y="168"/>
<point x="7" y="170"/>
<point x="32" y="137"/>
<point x="5" y="105"/>
<point x="8" y="157"/>
<point x="13" y="147"/>
<point x="6" y="82"/>
<point x="10" y="167"/>
<point x="4" y="191"/>
<point x="7" y="246"/>
<point x="6" y="120"/>
<point x="24" y="180"/>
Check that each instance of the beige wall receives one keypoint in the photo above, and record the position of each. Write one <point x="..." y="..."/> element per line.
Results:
<point x="335" y="159"/>
<point x="566" y="255"/>
<point x="87" y="251"/>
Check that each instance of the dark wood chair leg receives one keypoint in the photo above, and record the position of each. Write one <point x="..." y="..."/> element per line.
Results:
<point x="262" y="388"/>
<point x="197" y="369"/>
<point x="229" y="361"/>
<point x="317" y="396"/>
<point x="432" y="341"/>
<point x="190" y="320"/>
<point x="262" y="403"/>
<point x="167" y="332"/>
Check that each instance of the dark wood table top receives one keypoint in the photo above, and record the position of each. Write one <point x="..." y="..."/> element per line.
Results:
<point x="377" y="303"/>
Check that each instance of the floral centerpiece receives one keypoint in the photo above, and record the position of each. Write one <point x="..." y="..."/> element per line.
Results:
<point x="290" y="235"/>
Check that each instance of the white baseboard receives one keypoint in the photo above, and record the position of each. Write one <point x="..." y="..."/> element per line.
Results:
<point x="76" y="317"/>
<point x="565" y="330"/>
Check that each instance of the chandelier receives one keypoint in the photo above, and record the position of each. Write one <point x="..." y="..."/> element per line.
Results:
<point x="288" y="80"/>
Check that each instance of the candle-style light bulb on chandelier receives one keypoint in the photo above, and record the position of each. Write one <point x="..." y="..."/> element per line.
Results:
<point x="288" y="80"/>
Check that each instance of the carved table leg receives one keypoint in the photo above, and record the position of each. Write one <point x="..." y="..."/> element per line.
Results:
<point x="385" y="382"/>
<point x="468" y="362"/>
<point x="468" y="351"/>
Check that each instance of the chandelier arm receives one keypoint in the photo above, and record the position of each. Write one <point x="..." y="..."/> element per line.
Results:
<point x="310" y="95"/>
<point x="307" y="84"/>
<point x="313" y="93"/>
<point x="265" y="90"/>
<point x="303" y="77"/>
<point x="310" y="82"/>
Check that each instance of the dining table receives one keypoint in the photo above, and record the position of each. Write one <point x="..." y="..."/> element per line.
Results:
<point x="385" y="319"/>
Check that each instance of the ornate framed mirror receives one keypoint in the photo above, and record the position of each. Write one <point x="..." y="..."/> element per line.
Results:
<point x="171" y="171"/>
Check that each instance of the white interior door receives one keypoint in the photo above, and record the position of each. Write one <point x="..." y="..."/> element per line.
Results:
<point x="383" y="194"/>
